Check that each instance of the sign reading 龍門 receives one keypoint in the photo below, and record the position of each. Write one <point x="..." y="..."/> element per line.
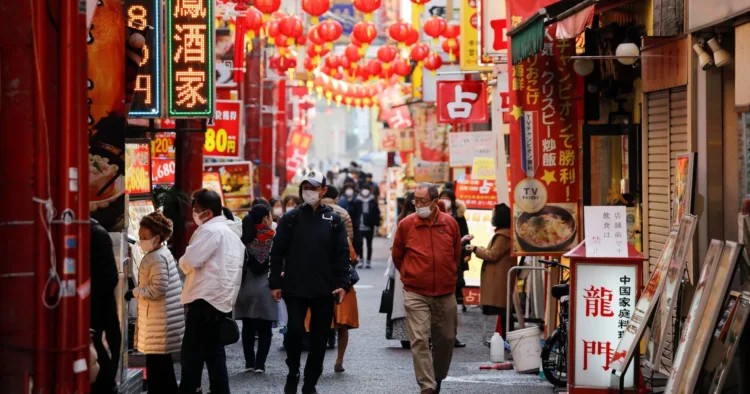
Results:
<point x="190" y="76"/>
<point x="143" y="17"/>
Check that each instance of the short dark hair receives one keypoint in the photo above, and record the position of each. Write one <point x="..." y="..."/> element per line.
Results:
<point x="501" y="216"/>
<point x="208" y="199"/>
<point x="261" y="200"/>
<point x="432" y="190"/>
<point x="450" y="194"/>
<point x="332" y="192"/>
<point x="291" y="198"/>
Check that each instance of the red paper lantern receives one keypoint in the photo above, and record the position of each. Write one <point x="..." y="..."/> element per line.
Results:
<point x="435" y="27"/>
<point x="301" y="40"/>
<point x="375" y="67"/>
<point x="401" y="67"/>
<point x="365" y="32"/>
<point x="330" y="30"/>
<point x="314" y="52"/>
<point x="413" y="36"/>
<point x="309" y="63"/>
<point x="387" y="53"/>
<point x="419" y="52"/>
<point x="452" y="48"/>
<point x="419" y="6"/>
<point x="316" y="8"/>
<point x="253" y="21"/>
<point x="367" y="7"/>
<point x="314" y="36"/>
<point x="433" y="62"/>
<point x="399" y="32"/>
<point x="272" y="30"/>
<point x="345" y="63"/>
<point x="292" y="27"/>
<point x="332" y="62"/>
<point x="363" y="74"/>
<point x="267" y="7"/>
<point x="354" y="41"/>
<point x="452" y="31"/>
<point x="352" y="53"/>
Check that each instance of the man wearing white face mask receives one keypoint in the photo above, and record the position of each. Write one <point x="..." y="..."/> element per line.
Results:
<point x="426" y="250"/>
<point x="213" y="266"/>
<point x="367" y="206"/>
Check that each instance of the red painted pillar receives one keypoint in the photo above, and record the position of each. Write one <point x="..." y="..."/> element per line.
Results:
<point x="251" y="98"/>
<point x="281" y="135"/>
<point x="189" y="176"/>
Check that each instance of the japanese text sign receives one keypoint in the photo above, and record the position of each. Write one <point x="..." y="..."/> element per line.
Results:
<point x="606" y="231"/>
<point x="462" y="101"/>
<point x="483" y="168"/>
<point x="471" y="52"/>
<point x="431" y="172"/>
<point x="397" y="140"/>
<point x="476" y="194"/>
<point x="296" y="151"/>
<point x="190" y="79"/>
<point x="605" y="297"/>
<point x="544" y="122"/>
<point x="398" y="117"/>
<point x="137" y="168"/>
<point x="163" y="158"/>
<point x="162" y="145"/>
<point x="144" y="17"/>
<point x="464" y="147"/>
<point x="223" y="137"/>
<point x="493" y="28"/>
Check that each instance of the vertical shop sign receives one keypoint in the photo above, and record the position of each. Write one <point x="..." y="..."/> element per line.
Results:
<point x="462" y="101"/>
<point x="493" y="28"/>
<point x="190" y="77"/>
<point x="163" y="158"/>
<point x="143" y="16"/>
<point x="137" y="168"/>
<point x="296" y="151"/>
<point x="223" y="136"/>
<point x="471" y="52"/>
<point x="544" y="129"/>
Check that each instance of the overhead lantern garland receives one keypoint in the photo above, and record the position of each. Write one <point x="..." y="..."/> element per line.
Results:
<point x="399" y="32"/>
<point x="292" y="27"/>
<point x="330" y="30"/>
<point x="419" y="53"/>
<point x="367" y="7"/>
<point x="316" y="8"/>
<point x="413" y="36"/>
<point x="435" y="27"/>
<point x="365" y="32"/>
<point x="401" y="68"/>
<point x="418" y="8"/>
<point x="386" y="54"/>
<point x="433" y="62"/>
<point x="267" y="7"/>
<point x="451" y="34"/>
<point x="453" y="49"/>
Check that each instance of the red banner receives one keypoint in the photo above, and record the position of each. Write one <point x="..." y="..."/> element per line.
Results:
<point x="162" y="171"/>
<point x="223" y="137"/>
<point x="296" y="151"/>
<point x="544" y="143"/>
<point x="462" y="101"/>
<point x="137" y="168"/>
<point x="393" y="108"/>
<point x="476" y="194"/>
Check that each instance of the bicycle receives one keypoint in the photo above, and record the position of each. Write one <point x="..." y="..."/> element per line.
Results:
<point x="555" y="350"/>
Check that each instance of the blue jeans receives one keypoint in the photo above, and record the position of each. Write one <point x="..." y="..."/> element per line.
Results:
<point x="201" y="345"/>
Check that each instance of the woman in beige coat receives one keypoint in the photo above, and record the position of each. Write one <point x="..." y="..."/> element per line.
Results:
<point x="161" y="322"/>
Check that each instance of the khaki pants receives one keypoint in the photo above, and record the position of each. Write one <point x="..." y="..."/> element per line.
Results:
<point x="434" y="317"/>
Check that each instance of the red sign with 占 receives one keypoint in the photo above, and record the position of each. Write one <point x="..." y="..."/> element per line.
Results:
<point x="462" y="102"/>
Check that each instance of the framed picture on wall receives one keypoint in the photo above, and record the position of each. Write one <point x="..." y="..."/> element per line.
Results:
<point x="684" y="177"/>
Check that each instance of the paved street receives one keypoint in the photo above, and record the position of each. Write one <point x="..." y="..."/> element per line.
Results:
<point x="376" y="365"/>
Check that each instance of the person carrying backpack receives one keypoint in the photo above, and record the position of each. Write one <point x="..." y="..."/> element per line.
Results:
<point x="312" y="250"/>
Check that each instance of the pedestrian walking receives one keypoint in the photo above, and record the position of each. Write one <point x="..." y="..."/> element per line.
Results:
<point x="457" y="210"/>
<point x="290" y="202"/>
<point x="395" y="326"/>
<point x="425" y="251"/>
<point x="212" y="264"/>
<point x="255" y="306"/>
<point x="276" y="209"/>
<point x="105" y="323"/>
<point x="311" y="249"/>
<point x="367" y="207"/>
<point x="161" y="321"/>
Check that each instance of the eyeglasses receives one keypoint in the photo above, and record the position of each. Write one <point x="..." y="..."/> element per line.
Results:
<point x="422" y="202"/>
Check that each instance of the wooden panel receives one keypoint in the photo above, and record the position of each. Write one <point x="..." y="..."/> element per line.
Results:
<point x="665" y="65"/>
<point x="742" y="64"/>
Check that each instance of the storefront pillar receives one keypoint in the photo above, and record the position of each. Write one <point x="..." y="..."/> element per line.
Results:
<point x="189" y="178"/>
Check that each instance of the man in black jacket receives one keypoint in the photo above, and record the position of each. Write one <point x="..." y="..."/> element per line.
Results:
<point x="311" y="248"/>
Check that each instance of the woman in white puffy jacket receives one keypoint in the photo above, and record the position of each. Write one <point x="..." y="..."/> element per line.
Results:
<point x="161" y="321"/>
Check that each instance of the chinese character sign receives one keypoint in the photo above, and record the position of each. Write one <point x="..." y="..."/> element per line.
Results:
<point x="190" y="78"/>
<point x="465" y="147"/>
<point x="396" y="140"/>
<point x="163" y="158"/>
<point x="143" y="16"/>
<point x="544" y="124"/>
<point x="606" y="231"/>
<point x="296" y="151"/>
<point x="462" y="102"/>
<point x="137" y="168"/>
<point x="494" y="27"/>
<point x="223" y="137"/>
<point x="476" y="194"/>
<point x="605" y="296"/>
<point x="471" y="51"/>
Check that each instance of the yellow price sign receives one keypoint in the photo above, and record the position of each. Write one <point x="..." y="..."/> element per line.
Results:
<point x="483" y="168"/>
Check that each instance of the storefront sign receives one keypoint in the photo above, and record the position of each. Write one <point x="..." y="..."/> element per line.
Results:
<point x="483" y="168"/>
<point x="143" y="16"/>
<point x="471" y="58"/>
<point x="396" y="140"/>
<point x="606" y="231"/>
<point x="393" y="109"/>
<point x="212" y="181"/>
<point x="162" y="171"/>
<point x="190" y="76"/>
<point x="237" y="184"/>
<point x="476" y="194"/>
<point x="605" y="296"/>
<point x="544" y="141"/>
<point x="162" y="146"/>
<point x="296" y="151"/>
<point x="462" y="101"/>
<point x="493" y="28"/>
<point x="464" y="147"/>
<point x="137" y="168"/>
<point x="224" y="135"/>
<point x="432" y="137"/>
<point x="431" y="172"/>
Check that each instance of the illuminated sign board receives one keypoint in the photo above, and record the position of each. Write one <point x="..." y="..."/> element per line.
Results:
<point x="144" y="16"/>
<point x="190" y="78"/>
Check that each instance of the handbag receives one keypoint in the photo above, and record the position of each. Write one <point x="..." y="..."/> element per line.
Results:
<point x="355" y="275"/>
<point x="386" y="298"/>
<point x="230" y="332"/>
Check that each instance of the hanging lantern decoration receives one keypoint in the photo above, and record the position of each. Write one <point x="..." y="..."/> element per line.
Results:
<point x="435" y="27"/>
<point x="451" y="34"/>
<point x="375" y="67"/>
<point x="316" y="53"/>
<point x="240" y="6"/>
<point x="292" y="27"/>
<point x="301" y="40"/>
<point x="344" y="63"/>
<point x="352" y="53"/>
<point x="367" y="7"/>
<point x="274" y="61"/>
<point x="330" y="30"/>
<point x="271" y="30"/>
<point x="419" y="52"/>
<point x="413" y="36"/>
<point x="332" y="62"/>
<point x="329" y="91"/>
<point x="317" y="40"/>
<point x="310" y="67"/>
<point x="267" y="7"/>
<point x="253" y="23"/>
<point x="433" y="62"/>
<point x="452" y="48"/>
<point x="365" y="32"/>
<point x="282" y="42"/>
<point x="354" y="41"/>
<point x="419" y="6"/>
<point x="386" y="54"/>
<point x="288" y="64"/>
<point x="402" y="68"/>
<point x="362" y="74"/>
<point x="316" y="8"/>
<point x="399" y="32"/>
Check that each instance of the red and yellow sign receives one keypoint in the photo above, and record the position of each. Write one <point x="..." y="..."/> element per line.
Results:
<point x="476" y="194"/>
<point x="163" y="158"/>
<point x="223" y="137"/>
<point x="544" y="141"/>
<point x="296" y="151"/>
<point x="471" y="54"/>
<point x="137" y="168"/>
<point x="397" y="140"/>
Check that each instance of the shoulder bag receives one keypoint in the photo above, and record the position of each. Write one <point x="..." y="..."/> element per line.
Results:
<point x="386" y="298"/>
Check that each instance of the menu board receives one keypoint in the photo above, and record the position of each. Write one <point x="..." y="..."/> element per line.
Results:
<point x="137" y="168"/>
<point x="212" y="181"/>
<point x="476" y="194"/>
<point x="236" y="183"/>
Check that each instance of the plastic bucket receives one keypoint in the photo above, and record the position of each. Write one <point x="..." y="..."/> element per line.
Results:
<point x="526" y="349"/>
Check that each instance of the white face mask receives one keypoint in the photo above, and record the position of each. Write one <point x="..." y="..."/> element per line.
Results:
<point x="278" y="212"/>
<point x="311" y="197"/>
<point x="349" y="192"/>
<point x="447" y="204"/>
<point x="424" y="212"/>
<point x="148" y="245"/>
<point x="197" y="218"/>
<point x="365" y="193"/>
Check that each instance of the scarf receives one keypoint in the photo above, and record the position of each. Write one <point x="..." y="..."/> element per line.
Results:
<point x="260" y="247"/>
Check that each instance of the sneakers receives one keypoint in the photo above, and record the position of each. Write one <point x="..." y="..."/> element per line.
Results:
<point x="292" y="381"/>
<point x="368" y="265"/>
<point x="249" y="367"/>
<point x="260" y="369"/>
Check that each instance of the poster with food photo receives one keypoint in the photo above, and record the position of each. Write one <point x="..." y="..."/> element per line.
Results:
<point x="236" y="184"/>
<point x="552" y="229"/>
<point x="683" y="187"/>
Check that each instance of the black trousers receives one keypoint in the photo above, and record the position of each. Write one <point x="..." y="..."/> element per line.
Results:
<point x="321" y="315"/>
<point x="362" y="236"/>
<point x="105" y="381"/>
<point x="264" y="328"/>
<point x="160" y="374"/>
<point x="201" y="345"/>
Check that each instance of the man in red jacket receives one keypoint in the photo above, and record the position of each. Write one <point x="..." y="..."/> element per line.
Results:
<point x="426" y="250"/>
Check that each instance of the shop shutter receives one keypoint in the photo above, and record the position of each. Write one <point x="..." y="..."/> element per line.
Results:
<point x="666" y="126"/>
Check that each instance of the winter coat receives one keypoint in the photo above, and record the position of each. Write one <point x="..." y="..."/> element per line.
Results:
<point x="369" y="210"/>
<point x="495" y="268"/>
<point x="344" y="216"/>
<point x="254" y="300"/>
<point x="104" y="278"/>
<point x="161" y="320"/>
<point x="354" y="210"/>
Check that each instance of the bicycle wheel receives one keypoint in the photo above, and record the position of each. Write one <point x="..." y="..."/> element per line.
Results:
<point x="555" y="358"/>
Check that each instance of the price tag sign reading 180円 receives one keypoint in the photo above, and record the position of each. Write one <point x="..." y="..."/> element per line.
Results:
<point x="606" y="231"/>
<point x="223" y="136"/>
<point x="190" y="78"/>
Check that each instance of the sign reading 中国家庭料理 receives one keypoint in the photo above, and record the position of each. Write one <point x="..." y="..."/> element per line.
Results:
<point x="143" y="16"/>
<point x="190" y="76"/>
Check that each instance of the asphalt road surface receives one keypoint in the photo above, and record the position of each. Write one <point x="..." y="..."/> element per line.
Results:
<point x="376" y="365"/>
